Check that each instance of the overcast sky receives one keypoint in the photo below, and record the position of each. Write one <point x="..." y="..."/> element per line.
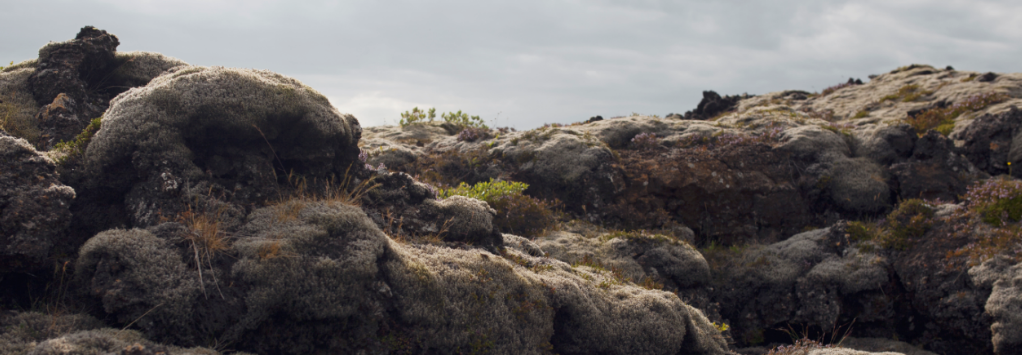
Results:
<point x="523" y="63"/>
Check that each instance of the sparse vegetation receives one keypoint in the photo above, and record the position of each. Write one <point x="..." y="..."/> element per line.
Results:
<point x="70" y="152"/>
<point x="908" y="222"/>
<point x="907" y="93"/>
<point x="16" y="122"/>
<point x="461" y="119"/>
<point x="645" y="141"/>
<point x="989" y="221"/>
<point x="943" y="119"/>
<point x="516" y="212"/>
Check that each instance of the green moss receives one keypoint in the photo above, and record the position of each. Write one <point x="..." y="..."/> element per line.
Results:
<point x="908" y="222"/>
<point x="516" y="212"/>
<point x="861" y="114"/>
<point x="943" y="119"/>
<point x="417" y="116"/>
<point x="907" y="93"/>
<point x="73" y="150"/>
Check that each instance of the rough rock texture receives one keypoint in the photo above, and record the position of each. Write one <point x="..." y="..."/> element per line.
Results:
<point x="328" y="276"/>
<point x="77" y="69"/>
<point x="1005" y="306"/>
<point x="34" y="207"/>
<point x="711" y="105"/>
<point x="882" y="344"/>
<point x="17" y="105"/>
<point x="216" y="131"/>
<point x="988" y="142"/>
<point x="935" y="170"/>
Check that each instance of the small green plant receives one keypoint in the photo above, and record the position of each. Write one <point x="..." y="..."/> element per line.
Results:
<point x="2" y="67"/>
<point x="943" y="119"/>
<point x="464" y="120"/>
<point x="907" y="93"/>
<point x="417" y="116"/>
<point x="908" y="222"/>
<point x="722" y="327"/>
<point x="861" y="114"/>
<point x="516" y="212"/>
<point x="72" y="151"/>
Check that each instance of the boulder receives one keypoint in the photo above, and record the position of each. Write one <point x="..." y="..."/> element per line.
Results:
<point x="935" y="170"/>
<point x="77" y="69"/>
<point x="711" y="105"/>
<point x="17" y="104"/>
<point x="322" y="276"/>
<point x="34" y="207"/>
<point x="988" y="141"/>
<point x="1005" y="306"/>
<point x="216" y="133"/>
<point x="885" y="144"/>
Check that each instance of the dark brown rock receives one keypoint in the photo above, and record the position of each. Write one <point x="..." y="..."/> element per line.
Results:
<point x="34" y="206"/>
<point x="77" y="69"/>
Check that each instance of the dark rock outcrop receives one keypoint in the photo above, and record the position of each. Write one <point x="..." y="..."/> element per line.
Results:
<point x="935" y="170"/>
<point x="711" y="105"/>
<point x="34" y="207"/>
<point x="69" y="81"/>
<point x="989" y="141"/>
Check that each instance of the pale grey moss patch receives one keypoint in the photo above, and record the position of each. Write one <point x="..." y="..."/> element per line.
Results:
<point x="174" y="117"/>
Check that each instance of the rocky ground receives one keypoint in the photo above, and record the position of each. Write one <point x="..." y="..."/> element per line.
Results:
<point x="150" y="206"/>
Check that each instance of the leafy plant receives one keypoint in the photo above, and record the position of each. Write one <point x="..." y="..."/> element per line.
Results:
<point x="463" y="119"/>
<point x="908" y="222"/>
<point x="69" y="152"/>
<point x="516" y="212"/>
<point x="417" y="116"/>
<point x="943" y="119"/>
<point x="645" y="141"/>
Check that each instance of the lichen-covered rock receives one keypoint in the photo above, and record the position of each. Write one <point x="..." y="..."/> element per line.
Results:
<point x="110" y="341"/>
<point x="17" y="104"/>
<point x="462" y="218"/>
<point x="76" y="69"/>
<point x="885" y="144"/>
<point x="135" y="273"/>
<point x="935" y="170"/>
<point x="20" y="332"/>
<point x="814" y="278"/>
<point x="988" y="141"/>
<point x="883" y="345"/>
<point x="199" y="131"/>
<point x="137" y="68"/>
<point x="34" y="206"/>
<point x="1005" y="306"/>
<point x="322" y="276"/>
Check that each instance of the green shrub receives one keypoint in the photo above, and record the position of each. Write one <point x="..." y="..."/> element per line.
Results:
<point x="417" y="116"/>
<point x="907" y="93"/>
<point x="909" y="221"/>
<point x="461" y="119"/>
<point x="73" y="150"/>
<point x="516" y="212"/>
<point x="943" y="119"/>
<point x="989" y="221"/>
<point x="997" y="201"/>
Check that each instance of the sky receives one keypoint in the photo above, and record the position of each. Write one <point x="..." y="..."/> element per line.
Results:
<point x="524" y="63"/>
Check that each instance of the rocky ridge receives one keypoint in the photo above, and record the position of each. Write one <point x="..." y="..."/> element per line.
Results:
<point x="215" y="210"/>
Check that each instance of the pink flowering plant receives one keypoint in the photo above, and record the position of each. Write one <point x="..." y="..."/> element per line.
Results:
<point x="990" y="220"/>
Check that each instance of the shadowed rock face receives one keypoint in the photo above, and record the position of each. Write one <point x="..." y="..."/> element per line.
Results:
<point x="216" y="134"/>
<point x="191" y="200"/>
<point x="34" y="207"/>
<point x="711" y="105"/>
<point x="69" y="82"/>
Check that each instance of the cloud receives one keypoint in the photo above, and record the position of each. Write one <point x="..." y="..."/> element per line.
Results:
<point x="541" y="61"/>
